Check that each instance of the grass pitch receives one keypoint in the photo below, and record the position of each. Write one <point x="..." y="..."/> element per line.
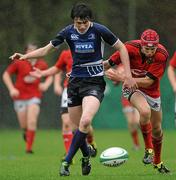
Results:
<point x="48" y="150"/>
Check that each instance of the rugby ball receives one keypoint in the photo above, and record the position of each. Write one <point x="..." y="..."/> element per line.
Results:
<point x="113" y="156"/>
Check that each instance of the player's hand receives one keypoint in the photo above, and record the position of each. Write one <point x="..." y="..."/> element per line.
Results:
<point x="36" y="73"/>
<point x="130" y="83"/>
<point x="113" y="75"/>
<point x="43" y="87"/>
<point x="18" y="56"/>
<point x="14" y="93"/>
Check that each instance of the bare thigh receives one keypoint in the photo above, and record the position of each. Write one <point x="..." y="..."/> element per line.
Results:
<point x="33" y="111"/>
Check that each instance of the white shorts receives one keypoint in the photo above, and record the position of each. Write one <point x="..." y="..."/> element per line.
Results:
<point x="128" y="109"/>
<point x="154" y="103"/>
<point x="64" y="99"/>
<point x="20" y="105"/>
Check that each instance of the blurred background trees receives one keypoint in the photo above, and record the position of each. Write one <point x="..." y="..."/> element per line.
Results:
<point x="25" y="20"/>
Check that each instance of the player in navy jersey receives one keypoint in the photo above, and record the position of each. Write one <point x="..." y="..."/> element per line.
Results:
<point x="86" y="83"/>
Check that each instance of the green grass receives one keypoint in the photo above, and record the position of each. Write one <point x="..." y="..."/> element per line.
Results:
<point x="48" y="148"/>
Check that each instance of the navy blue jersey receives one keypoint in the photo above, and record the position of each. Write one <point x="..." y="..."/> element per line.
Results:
<point x="87" y="49"/>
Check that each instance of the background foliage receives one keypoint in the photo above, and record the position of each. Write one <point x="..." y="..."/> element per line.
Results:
<point x="24" y="21"/>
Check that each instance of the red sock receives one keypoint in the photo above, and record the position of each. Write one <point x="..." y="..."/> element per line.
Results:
<point x="135" y="138"/>
<point x="30" y="135"/>
<point x="157" y="145"/>
<point x="90" y="138"/>
<point x="67" y="137"/>
<point x="147" y="135"/>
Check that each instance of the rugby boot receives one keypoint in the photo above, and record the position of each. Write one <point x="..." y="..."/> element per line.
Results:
<point x="64" y="169"/>
<point x="161" y="168"/>
<point x="148" y="156"/>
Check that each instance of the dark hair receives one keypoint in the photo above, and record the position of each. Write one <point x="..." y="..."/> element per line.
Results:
<point x="81" y="11"/>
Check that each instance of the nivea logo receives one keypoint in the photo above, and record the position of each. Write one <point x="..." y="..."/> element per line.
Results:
<point x="74" y="37"/>
<point x="85" y="47"/>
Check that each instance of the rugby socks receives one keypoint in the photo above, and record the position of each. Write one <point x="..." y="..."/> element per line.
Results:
<point x="67" y="138"/>
<point x="135" y="138"/>
<point x="78" y="138"/>
<point x="84" y="149"/>
<point x="30" y="135"/>
<point x="157" y="145"/>
<point x="147" y="135"/>
<point x="90" y="138"/>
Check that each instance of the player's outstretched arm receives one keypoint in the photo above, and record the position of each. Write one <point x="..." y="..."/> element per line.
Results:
<point x="34" y="54"/>
<point x="129" y="81"/>
<point x="58" y="83"/>
<point x="43" y="73"/>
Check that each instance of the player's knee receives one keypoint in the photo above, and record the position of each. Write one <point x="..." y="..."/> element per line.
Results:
<point x="156" y="131"/>
<point x="85" y="122"/>
<point x="145" y="113"/>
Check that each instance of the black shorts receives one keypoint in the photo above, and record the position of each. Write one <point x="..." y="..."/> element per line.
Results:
<point x="79" y="87"/>
<point x="63" y="110"/>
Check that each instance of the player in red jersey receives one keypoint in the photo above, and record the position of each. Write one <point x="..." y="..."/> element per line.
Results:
<point x="64" y="64"/>
<point x="130" y="113"/>
<point x="147" y="62"/>
<point x="26" y="93"/>
<point x="171" y="72"/>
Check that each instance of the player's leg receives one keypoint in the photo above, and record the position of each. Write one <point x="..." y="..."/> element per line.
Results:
<point x="132" y="117"/>
<point x="33" y="110"/>
<point x="74" y="115"/>
<point x="20" y="109"/>
<point x="67" y="129"/>
<point x="90" y="107"/>
<point x="140" y="103"/>
<point x="157" y="137"/>
<point x="90" y="140"/>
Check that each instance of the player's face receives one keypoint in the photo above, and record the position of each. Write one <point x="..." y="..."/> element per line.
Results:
<point x="149" y="51"/>
<point x="81" y="24"/>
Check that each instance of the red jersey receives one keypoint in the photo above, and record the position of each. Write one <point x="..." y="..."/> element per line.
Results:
<point x="173" y="60"/>
<point x="64" y="63"/>
<point x="25" y="83"/>
<point x="142" y="66"/>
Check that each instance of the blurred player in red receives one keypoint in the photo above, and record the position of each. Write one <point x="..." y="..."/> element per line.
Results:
<point x="26" y="93"/>
<point x="171" y="72"/>
<point x="131" y="114"/>
<point x="64" y="64"/>
<point x="147" y="62"/>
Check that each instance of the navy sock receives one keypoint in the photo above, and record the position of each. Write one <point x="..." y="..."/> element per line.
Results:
<point x="78" y="138"/>
<point x="84" y="149"/>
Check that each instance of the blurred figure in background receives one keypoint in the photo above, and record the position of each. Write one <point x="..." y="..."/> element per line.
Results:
<point x="26" y="93"/>
<point x="64" y="64"/>
<point x="171" y="72"/>
<point x="147" y="62"/>
<point x="130" y="112"/>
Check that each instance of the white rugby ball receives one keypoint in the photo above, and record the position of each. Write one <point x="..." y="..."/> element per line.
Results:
<point x="113" y="156"/>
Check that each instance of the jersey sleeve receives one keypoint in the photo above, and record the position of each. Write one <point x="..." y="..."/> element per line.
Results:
<point x="172" y="61"/>
<point x="157" y="69"/>
<point x="13" y="67"/>
<point x="107" y="35"/>
<point x="60" y="37"/>
<point x="115" y="59"/>
<point x="60" y="61"/>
